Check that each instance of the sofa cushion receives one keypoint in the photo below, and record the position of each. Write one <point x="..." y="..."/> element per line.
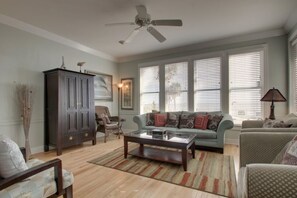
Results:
<point x="150" y="119"/>
<point x="11" y="158"/>
<point x="201" y="122"/>
<point x="160" y="119"/>
<point x="39" y="185"/>
<point x="187" y="120"/>
<point x="172" y="120"/>
<point x="203" y="134"/>
<point x="214" y="121"/>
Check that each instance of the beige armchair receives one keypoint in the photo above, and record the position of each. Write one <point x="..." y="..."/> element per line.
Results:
<point x="103" y="125"/>
<point x="257" y="176"/>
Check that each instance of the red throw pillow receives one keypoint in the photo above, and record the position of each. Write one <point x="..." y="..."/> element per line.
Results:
<point x="160" y="119"/>
<point x="201" y="122"/>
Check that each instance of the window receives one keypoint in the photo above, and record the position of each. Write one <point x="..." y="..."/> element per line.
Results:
<point x="207" y="84"/>
<point x="149" y="89"/>
<point x="176" y="87"/>
<point x="245" y="87"/>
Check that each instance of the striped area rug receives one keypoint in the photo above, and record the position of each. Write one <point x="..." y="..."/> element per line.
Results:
<point x="210" y="172"/>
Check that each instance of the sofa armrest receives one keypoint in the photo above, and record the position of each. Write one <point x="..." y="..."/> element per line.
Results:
<point x="226" y="123"/>
<point x="271" y="180"/>
<point x="261" y="147"/>
<point x="252" y="124"/>
<point x="140" y="121"/>
<point x="56" y="163"/>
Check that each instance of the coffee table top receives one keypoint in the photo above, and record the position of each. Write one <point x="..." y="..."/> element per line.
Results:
<point x="169" y="136"/>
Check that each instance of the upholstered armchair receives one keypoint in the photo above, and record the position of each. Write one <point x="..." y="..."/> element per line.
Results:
<point x="38" y="179"/>
<point x="106" y="123"/>
<point x="258" y="176"/>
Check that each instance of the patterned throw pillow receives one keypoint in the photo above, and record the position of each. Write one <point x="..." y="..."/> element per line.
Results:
<point x="290" y="156"/>
<point x="150" y="119"/>
<point x="214" y="121"/>
<point x="160" y="119"/>
<point x="187" y="121"/>
<point x="201" y="122"/>
<point x="275" y="124"/>
<point x="172" y="120"/>
<point x="105" y="118"/>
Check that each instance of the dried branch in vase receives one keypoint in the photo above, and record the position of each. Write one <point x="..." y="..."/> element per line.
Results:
<point x="25" y="102"/>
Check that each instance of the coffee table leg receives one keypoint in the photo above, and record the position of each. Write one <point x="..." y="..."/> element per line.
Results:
<point x="141" y="148"/>
<point x="185" y="158"/>
<point x="125" y="147"/>
<point x="193" y="150"/>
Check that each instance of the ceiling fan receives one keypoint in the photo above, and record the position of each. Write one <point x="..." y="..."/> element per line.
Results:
<point x="143" y="20"/>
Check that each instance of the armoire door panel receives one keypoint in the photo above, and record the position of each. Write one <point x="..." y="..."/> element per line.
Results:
<point x="71" y="91"/>
<point x="85" y="120"/>
<point x="84" y="93"/>
<point x="72" y="124"/>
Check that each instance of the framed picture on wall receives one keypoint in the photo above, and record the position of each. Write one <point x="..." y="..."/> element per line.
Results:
<point x="127" y="94"/>
<point x="102" y="86"/>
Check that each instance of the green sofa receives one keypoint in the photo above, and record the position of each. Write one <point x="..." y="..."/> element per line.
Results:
<point x="205" y="139"/>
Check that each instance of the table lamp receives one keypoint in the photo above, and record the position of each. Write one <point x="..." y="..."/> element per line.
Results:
<point x="273" y="95"/>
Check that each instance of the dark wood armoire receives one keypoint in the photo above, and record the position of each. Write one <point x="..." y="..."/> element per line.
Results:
<point x="69" y="109"/>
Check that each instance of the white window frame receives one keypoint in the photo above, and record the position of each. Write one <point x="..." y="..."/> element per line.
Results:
<point x="292" y="42"/>
<point x="265" y="107"/>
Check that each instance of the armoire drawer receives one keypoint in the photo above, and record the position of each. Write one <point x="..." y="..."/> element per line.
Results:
<point x="86" y="135"/>
<point x="70" y="140"/>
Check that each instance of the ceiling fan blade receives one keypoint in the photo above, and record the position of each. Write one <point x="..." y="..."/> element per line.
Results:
<point x="141" y="10"/>
<point x="156" y="34"/>
<point x="117" y="24"/>
<point x="169" y="22"/>
<point x="130" y="37"/>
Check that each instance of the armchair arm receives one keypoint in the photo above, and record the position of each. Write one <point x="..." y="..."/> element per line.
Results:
<point x="271" y="180"/>
<point x="261" y="147"/>
<point x="56" y="163"/>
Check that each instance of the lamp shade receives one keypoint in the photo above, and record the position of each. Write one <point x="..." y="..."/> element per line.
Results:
<point x="273" y="95"/>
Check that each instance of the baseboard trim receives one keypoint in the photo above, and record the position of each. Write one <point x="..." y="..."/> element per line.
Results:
<point x="231" y="141"/>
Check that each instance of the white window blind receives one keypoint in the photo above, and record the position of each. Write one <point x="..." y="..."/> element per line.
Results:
<point x="176" y="87"/>
<point x="149" y="89"/>
<point x="245" y="87"/>
<point x="207" y="84"/>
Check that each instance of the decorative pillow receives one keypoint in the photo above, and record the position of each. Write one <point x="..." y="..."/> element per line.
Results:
<point x="214" y="121"/>
<point x="187" y="120"/>
<point x="290" y="156"/>
<point x="105" y="118"/>
<point x="160" y="119"/>
<point x="201" y="122"/>
<point x="279" y="158"/>
<point x="150" y="119"/>
<point x="172" y="120"/>
<point x="11" y="158"/>
<point x="275" y="124"/>
<point x="291" y="119"/>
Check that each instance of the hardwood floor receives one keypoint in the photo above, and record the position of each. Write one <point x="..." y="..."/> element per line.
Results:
<point x="99" y="182"/>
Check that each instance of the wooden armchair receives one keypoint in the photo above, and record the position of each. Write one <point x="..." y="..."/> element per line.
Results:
<point x="42" y="179"/>
<point x="111" y="124"/>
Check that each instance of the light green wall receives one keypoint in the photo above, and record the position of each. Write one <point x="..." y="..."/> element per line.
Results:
<point x="23" y="57"/>
<point x="277" y="72"/>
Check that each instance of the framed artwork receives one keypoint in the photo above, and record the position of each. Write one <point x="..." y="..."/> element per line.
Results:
<point x="102" y="86"/>
<point x="127" y="94"/>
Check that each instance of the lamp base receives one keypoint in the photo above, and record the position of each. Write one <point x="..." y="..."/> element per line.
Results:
<point x="272" y="116"/>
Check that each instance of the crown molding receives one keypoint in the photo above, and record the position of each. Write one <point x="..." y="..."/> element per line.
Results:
<point x="53" y="37"/>
<point x="207" y="44"/>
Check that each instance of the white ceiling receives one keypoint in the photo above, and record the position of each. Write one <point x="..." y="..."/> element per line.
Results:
<point x="83" y="21"/>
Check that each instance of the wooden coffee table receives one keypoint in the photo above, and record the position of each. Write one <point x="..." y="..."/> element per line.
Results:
<point x="181" y="142"/>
